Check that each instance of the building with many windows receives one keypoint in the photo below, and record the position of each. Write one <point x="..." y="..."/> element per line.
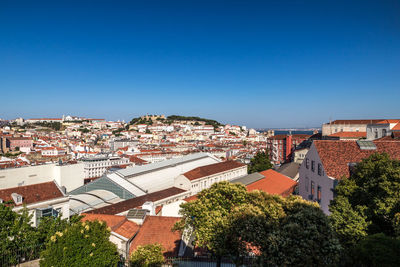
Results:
<point x="97" y="165"/>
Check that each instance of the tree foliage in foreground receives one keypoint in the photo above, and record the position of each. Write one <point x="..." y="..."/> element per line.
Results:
<point x="368" y="202"/>
<point x="260" y="162"/>
<point x="229" y="221"/>
<point x="81" y="244"/>
<point x="17" y="236"/>
<point x="377" y="250"/>
<point x="147" y="256"/>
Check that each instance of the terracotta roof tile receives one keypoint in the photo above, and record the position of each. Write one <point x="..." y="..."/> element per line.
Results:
<point x="137" y="201"/>
<point x="274" y="183"/>
<point x="157" y="229"/>
<point x="33" y="193"/>
<point x="336" y="155"/>
<point x="349" y="134"/>
<point x="212" y="169"/>
<point x="118" y="224"/>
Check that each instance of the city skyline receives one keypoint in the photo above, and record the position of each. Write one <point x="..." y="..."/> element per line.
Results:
<point x="259" y="64"/>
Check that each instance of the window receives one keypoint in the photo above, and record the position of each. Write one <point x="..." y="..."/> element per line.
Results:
<point x="313" y="165"/>
<point x="312" y="190"/>
<point x="306" y="185"/>
<point x="307" y="163"/>
<point x="376" y="133"/>
<point x="319" y="194"/>
<point x="319" y="169"/>
<point x="383" y="132"/>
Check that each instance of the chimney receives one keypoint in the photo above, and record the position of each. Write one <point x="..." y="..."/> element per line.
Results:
<point x="148" y="205"/>
<point x="288" y="147"/>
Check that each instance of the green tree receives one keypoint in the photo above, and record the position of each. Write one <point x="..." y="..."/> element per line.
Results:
<point x="18" y="237"/>
<point x="81" y="244"/>
<point x="377" y="250"/>
<point x="208" y="216"/>
<point x="260" y="162"/>
<point x="286" y="231"/>
<point x="147" y="256"/>
<point x="229" y="221"/>
<point x="368" y="201"/>
<point x="48" y="226"/>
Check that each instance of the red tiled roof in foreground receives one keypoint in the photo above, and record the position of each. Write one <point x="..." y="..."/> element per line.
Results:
<point x="118" y="224"/>
<point x="336" y="155"/>
<point x="137" y="201"/>
<point x="32" y="193"/>
<point x="274" y="183"/>
<point x="349" y="134"/>
<point x="212" y="169"/>
<point x="157" y="229"/>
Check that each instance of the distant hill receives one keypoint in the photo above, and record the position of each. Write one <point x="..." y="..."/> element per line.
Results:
<point x="174" y="118"/>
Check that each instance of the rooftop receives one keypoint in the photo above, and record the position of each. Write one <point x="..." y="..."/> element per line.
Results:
<point x="211" y="169"/>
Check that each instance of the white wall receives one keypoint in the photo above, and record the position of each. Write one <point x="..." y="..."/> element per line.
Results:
<point x="165" y="177"/>
<point x="70" y="176"/>
<point x="200" y="184"/>
<point x="306" y="176"/>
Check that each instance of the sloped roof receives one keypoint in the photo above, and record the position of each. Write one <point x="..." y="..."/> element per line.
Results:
<point x="290" y="169"/>
<point x="157" y="229"/>
<point x="355" y="121"/>
<point x="212" y="169"/>
<point x="33" y="193"/>
<point x="274" y="183"/>
<point x="137" y="201"/>
<point x="349" y="134"/>
<point x="336" y="155"/>
<point x="118" y="224"/>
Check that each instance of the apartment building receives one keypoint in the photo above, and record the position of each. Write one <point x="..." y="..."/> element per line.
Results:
<point x="97" y="165"/>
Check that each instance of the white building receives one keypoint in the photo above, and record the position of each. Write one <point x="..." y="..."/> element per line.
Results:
<point x="41" y="200"/>
<point x="327" y="162"/>
<point x="97" y="165"/>
<point x="203" y="177"/>
<point x="70" y="176"/>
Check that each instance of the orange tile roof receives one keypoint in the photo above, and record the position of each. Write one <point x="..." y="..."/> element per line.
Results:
<point x="350" y="134"/>
<point x="274" y="183"/>
<point x="118" y="224"/>
<point x="33" y="193"/>
<point x="212" y="169"/>
<point x="396" y="127"/>
<point x="336" y="155"/>
<point x="157" y="229"/>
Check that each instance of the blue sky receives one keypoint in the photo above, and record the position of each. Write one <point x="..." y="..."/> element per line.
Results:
<point x="254" y="63"/>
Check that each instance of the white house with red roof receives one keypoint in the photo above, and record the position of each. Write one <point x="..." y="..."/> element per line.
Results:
<point x="203" y="177"/>
<point x="327" y="162"/>
<point x="42" y="200"/>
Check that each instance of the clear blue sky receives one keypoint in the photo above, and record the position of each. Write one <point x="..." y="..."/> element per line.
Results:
<point x="254" y="63"/>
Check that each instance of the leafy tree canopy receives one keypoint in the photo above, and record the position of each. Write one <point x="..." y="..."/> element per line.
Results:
<point x="230" y="221"/>
<point x="368" y="202"/>
<point x="81" y="244"/>
<point x="147" y="256"/>
<point x="260" y="162"/>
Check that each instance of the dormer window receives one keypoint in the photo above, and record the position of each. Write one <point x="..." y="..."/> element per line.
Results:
<point x="17" y="198"/>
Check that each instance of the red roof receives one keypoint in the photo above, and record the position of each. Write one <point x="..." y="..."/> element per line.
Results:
<point x="118" y="224"/>
<point x="355" y="121"/>
<point x="157" y="229"/>
<point x="274" y="183"/>
<point x="212" y="169"/>
<point x="336" y="155"/>
<point x="396" y="127"/>
<point x="349" y="134"/>
<point x="33" y="193"/>
<point x="137" y="201"/>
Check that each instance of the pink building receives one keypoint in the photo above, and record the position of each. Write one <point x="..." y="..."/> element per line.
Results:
<point x="12" y="143"/>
